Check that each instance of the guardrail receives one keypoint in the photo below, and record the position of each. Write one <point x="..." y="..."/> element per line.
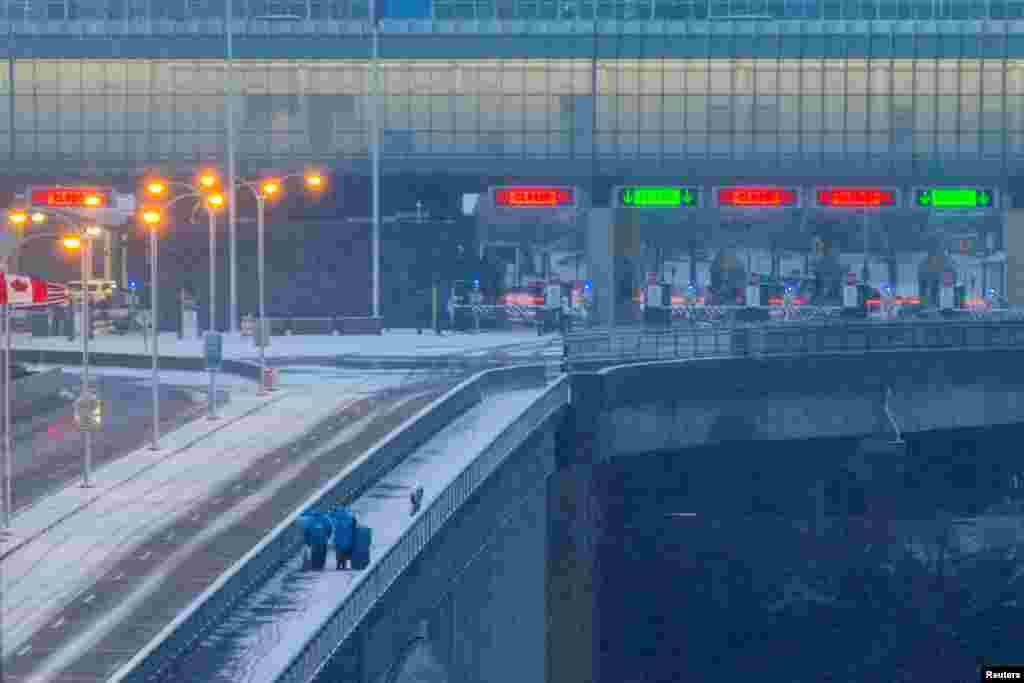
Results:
<point x="597" y="349"/>
<point x="285" y="541"/>
<point x="372" y="584"/>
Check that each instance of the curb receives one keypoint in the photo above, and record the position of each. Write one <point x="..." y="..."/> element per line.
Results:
<point x="134" y="476"/>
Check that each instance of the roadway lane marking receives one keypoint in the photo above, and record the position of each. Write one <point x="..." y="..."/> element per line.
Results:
<point x="238" y="487"/>
<point x="60" y="622"/>
<point x="146" y="555"/>
<point x="89" y="598"/>
<point x="24" y="651"/>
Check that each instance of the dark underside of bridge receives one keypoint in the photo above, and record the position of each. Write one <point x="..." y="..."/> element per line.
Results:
<point x="810" y="561"/>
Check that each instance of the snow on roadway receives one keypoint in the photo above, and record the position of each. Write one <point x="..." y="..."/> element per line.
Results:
<point x="391" y="343"/>
<point x="134" y="496"/>
<point x="273" y="624"/>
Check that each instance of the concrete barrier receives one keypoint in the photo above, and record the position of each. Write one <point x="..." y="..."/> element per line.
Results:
<point x="285" y="541"/>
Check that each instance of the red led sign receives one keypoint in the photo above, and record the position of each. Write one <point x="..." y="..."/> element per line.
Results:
<point x="533" y="196"/>
<point x="756" y="196"/>
<point x="855" y="197"/>
<point x="73" y="197"/>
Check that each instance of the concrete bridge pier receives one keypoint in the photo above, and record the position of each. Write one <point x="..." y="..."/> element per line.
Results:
<point x="577" y="524"/>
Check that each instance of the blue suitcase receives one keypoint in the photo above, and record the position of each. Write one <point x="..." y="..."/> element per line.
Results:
<point x="361" y="547"/>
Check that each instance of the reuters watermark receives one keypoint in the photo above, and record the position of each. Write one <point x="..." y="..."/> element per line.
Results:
<point x="1002" y="673"/>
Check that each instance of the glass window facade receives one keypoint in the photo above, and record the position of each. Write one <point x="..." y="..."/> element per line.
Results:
<point x="859" y="112"/>
<point x="626" y="10"/>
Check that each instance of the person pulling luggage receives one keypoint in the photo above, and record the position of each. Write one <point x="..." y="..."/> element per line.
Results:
<point x="344" y="523"/>
<point x="316" y="531"/>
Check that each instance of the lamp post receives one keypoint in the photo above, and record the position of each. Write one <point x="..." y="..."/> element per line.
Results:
<point x="153" y="217"/>
<point x="267" y="190"/>
<point x="19" y="218"/>
<point x="212" y="204"/>
<point x="375" y="150"/>
<point x="232" y="211"/>
<point x="81" y="241"/>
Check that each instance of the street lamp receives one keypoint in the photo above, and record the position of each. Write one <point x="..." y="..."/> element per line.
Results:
<point x="214" y="202"/>
<point x="269" y="189"/>
<point x="12" y="267"/>
<point x="18" y="218"/>
<point x="153" y="217"/>
<point x="81" y="243"/>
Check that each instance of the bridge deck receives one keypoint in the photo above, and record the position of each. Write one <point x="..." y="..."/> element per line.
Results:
<point x="274" y="624"/>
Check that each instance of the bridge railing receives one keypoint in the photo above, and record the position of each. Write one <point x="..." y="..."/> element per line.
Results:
<point x="607" y="347"/>
<point x="371" y="585"/>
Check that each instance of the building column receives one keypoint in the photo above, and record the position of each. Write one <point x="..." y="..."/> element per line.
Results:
<point x="600" y="264"/>
<point x="577" y="522"/>
<point x="1014" y="288"/>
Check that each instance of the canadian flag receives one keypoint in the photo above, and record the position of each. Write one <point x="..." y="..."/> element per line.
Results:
<point x="22" y="289"/>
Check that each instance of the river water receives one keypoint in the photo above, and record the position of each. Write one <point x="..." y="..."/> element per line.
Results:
<point x="811" y="562"/>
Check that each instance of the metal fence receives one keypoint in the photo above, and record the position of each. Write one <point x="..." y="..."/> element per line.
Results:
<point x="371" y="586"/>
<point x="610" y="347"/>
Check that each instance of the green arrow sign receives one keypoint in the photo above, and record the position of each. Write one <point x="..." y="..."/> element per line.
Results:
<point x="656" y="196"/>
<point x="955" y="197"/>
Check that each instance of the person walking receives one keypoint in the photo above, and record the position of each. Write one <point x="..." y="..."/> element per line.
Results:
<point x="316" y="531"/>
<point x="344" y="524"/>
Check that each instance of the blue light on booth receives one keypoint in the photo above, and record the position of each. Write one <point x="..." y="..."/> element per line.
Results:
<point x="131" y="284"/>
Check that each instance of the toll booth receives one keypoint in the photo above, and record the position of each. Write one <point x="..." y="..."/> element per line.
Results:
<point x="658" y="304"/>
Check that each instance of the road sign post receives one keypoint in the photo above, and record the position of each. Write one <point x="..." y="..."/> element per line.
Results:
<point x="213" y="349"/>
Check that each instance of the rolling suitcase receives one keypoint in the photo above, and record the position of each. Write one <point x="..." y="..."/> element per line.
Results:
<point x="361" y="547"/>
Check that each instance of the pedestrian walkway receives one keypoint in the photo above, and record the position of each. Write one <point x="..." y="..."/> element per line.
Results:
<point x="57" y="547"/>
<point x="272" y="625"/>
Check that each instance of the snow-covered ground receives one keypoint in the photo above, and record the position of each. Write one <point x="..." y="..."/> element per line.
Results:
<point x="59" y="546"/>
<point x="256" y="646"/>
<point x="391" y="343"/>
<point x="290" y="376"/>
